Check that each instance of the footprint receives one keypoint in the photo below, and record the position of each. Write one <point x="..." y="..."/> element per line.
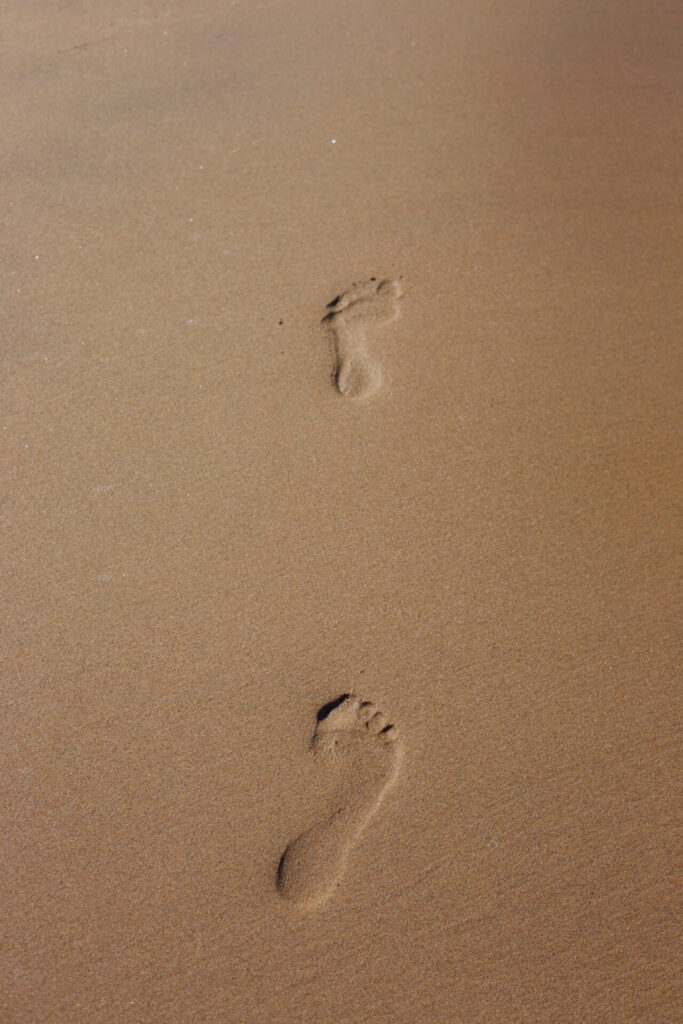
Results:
<point x="350" y="320"/>
<point x="364" y="751"/>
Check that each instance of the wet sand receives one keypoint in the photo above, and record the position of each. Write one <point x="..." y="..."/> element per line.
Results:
<point x="207" y="537"/>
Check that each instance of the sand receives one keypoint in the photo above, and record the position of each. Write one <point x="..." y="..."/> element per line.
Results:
<point x="222" y="512"/>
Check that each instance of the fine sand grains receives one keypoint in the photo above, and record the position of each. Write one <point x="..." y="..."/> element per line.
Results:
<point x="357" y="741"/>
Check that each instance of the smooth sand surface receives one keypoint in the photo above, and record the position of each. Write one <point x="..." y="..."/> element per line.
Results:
<point x="205" y="541"/>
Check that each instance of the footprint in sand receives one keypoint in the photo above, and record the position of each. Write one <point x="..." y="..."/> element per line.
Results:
<point x="363" y="750"/>
<point x="350" y="320"/>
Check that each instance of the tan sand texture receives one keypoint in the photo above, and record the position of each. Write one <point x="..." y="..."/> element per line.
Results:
<point x="222" y="511"/>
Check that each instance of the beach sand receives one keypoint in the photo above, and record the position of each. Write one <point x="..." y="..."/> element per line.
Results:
<point x="231" y="497"/>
